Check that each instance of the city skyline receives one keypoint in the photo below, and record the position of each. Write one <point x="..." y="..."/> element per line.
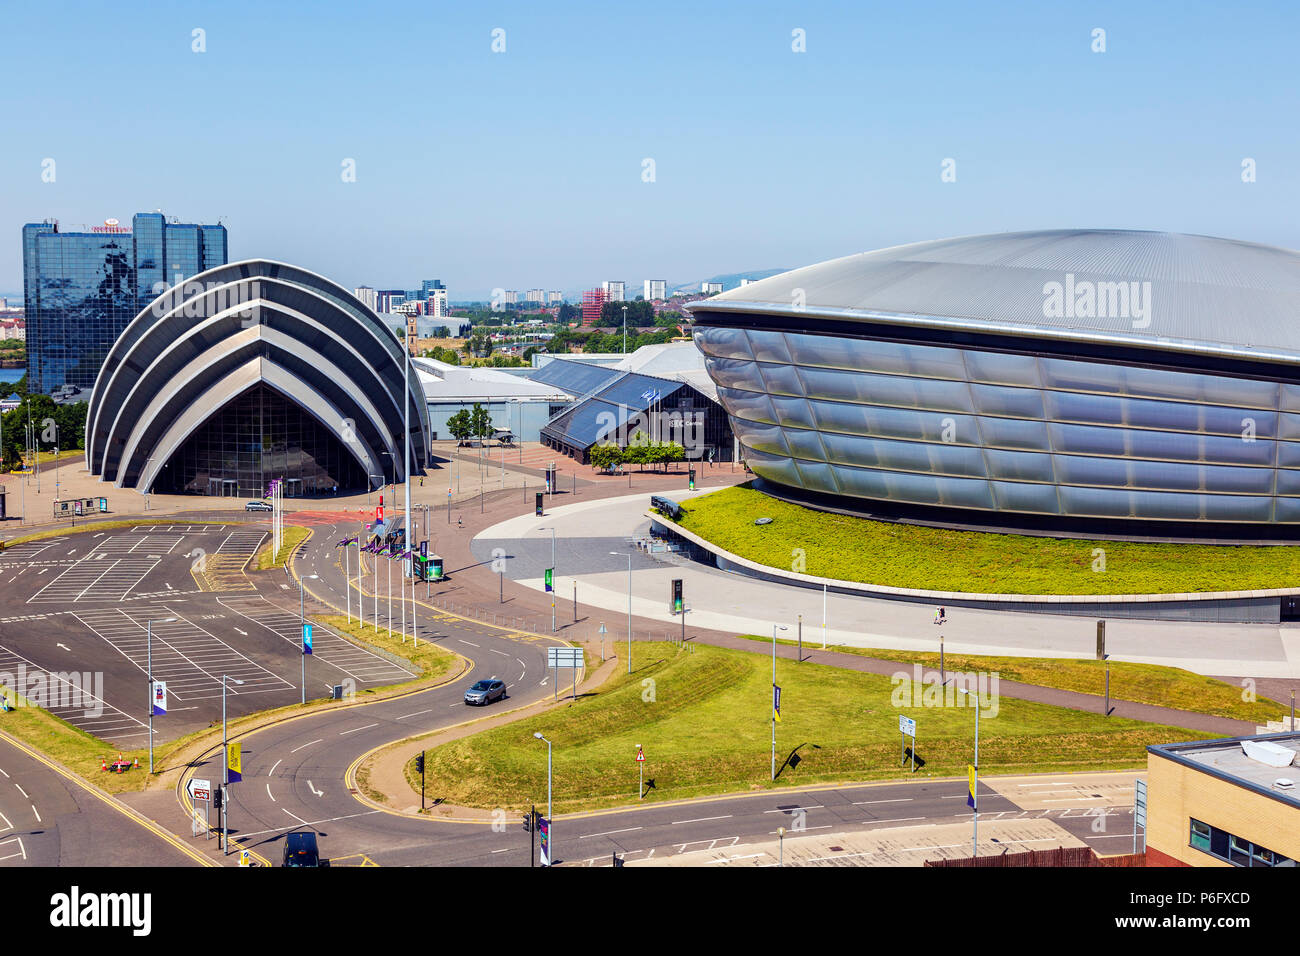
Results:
<point x="761" y="155"/>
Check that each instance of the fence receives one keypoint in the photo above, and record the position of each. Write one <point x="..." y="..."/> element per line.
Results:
<point x="1063" y="856"/>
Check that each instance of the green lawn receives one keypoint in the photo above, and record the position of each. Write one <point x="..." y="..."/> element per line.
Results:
<point x="703" y="718"/>
<point x="291" y="536"/>
<point x="907" y="556"/>
<point x="1140" y="683"/>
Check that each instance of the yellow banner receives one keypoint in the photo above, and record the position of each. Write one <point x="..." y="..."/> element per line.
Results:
<point x="233" y="759"/>
<point x="970" y="774"/>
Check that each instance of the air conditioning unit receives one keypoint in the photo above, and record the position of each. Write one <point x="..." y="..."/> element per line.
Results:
<point x="1271" y="754"/>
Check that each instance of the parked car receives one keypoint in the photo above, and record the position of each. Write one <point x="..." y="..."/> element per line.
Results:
<point x="258" y="506"/>
<point x="300" y="850"/>
<point x="486" y="691"/>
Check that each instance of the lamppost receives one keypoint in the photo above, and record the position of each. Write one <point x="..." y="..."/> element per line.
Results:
<point x="550" y="821"/>
<point x="775" y="628"/>
<point x="975" y="801"/>
<point x="554" y="576"/>
<point x="225" y="765"/>
<point x="624" y="330"/>
<point x="302" y="631"/>
<point x="629" y="608"/>
<point x="148" y="631"/>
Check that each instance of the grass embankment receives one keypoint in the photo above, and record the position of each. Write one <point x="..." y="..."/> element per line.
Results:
<point x="92" y="525"/>
<point x="84" y="753"/>
<point x="1140" y="683"/>
<point x="703" y="719"/>
<point x="290" y="537"/>
<point x="907" y="556"/>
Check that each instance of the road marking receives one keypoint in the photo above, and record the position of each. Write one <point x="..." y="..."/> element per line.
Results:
<point x="308" y="744"/>
<point x="1068" y="799"/>
<point x="314" y="791"/>
<point x="726" y="816"/>
<point x="470" y="643"/>
<point x="269" y="793"/>
<point x="416" y="714"/>
<point x="22" y="791"/>
<point x="899" y="820"/>
<point x="503" y="850"/>
<point x="38" y="814"/>
<point x="8" y="825"/>
<point x="355" y="729"/>
<point x="863" y="803"/>
<point x="793" y="809"/>
<point x="273" y="766"/>
<point x="607" y="833"/>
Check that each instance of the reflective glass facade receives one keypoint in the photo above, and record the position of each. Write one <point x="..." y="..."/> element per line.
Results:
<point x="257" y="437"/>
<point x="80" y="289"/>
<point x="970" y="428"/>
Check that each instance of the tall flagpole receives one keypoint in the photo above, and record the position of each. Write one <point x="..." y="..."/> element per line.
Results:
<point x="406" y="427"/>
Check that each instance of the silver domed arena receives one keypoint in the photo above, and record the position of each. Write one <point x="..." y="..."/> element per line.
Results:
<point x="250" y="372"/>
<point x="1091" y="379"/>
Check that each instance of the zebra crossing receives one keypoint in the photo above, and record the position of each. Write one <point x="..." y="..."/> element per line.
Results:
<point x="190" y="658"/>
<point x="354" y="661"/>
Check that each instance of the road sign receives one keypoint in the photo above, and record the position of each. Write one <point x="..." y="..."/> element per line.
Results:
<point x="906" y="725"/>
<point x="564" y="657"/>
<point x="640" y="754"/>
<point x="199" y="789"/>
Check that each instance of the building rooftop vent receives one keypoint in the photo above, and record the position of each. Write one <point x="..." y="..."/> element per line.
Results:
<point x="1273" y="755"/>
<point x="1284" y="783"/>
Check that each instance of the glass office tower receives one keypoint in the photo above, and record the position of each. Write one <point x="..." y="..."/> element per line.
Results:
<point x="80" y="289"/>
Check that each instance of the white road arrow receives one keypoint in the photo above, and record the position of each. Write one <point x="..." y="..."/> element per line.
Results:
<point x="64" y="646"/>
<point x="315" y="792"/>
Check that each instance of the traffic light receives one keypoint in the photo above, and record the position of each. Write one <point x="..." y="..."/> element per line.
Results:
<point x="419" y="763"/>
<point x="218" y="795"/>
<point x="528" y="822"/>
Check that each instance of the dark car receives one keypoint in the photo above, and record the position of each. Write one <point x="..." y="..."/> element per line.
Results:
<point x="258" y="506"/>
<point x="300" y="850"/>
<point x="486" y="691"/>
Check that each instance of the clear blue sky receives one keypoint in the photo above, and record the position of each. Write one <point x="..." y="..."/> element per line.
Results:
<point x="524" y="168"/>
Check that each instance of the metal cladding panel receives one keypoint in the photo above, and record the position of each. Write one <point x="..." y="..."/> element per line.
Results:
<point x="974" y="429"/>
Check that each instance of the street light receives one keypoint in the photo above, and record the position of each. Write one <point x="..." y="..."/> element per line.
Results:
<point x="624" y="330"/>
<point x="302" y="631"/>
<point x="554" y="576"/>
<point x="775" y="628"/>
<point x="975" y="800"/>
<point x="148" y="630"/>
<point x="550" y="821"/>
<point x="225" y="765"/>
<point x="629" y="609"/>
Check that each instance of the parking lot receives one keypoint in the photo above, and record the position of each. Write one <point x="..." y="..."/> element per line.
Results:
<point x="78" y="608"/>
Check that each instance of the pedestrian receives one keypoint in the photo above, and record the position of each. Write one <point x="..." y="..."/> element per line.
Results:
<point x="941" y="617"/>
<point x="459" y="523"/>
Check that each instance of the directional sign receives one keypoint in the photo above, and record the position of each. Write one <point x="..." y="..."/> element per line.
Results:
<point x="199" y="789"/>
<point x="564" y="657"/>
<point x="906" y="725"/>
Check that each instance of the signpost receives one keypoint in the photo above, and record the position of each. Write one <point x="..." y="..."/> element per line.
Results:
<point x="201" y="790"/>
<point x="906" y="728"/>
<point x="571" y="657"/>
<point x="603" y="632"/>
<point x="640" y="763"/>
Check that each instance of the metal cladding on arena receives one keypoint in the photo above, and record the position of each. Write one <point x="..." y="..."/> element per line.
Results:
<point x="1095" y="375"/>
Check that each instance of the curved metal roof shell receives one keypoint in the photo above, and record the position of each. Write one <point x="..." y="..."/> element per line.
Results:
<point x="1154" y="289"/>
<point x="197" y="347"/>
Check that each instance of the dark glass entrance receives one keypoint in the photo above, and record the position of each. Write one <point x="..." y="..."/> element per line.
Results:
<point x="256" y="437"/>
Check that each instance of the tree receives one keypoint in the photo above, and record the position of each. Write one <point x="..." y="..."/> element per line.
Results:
<point x="460" y="425"/>
<point x="441" y="332"/>
<point x="480" y="422"/>
<point x="605" y="456"/>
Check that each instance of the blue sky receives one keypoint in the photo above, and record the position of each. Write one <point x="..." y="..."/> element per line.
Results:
<point x="524" y="168"/>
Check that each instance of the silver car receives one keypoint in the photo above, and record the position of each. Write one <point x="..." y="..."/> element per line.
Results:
<point x="486" y="691"/>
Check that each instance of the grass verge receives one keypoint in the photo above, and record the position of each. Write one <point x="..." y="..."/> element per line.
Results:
<point x="291" y="536"/>
<point x="855" y="549"/>
<point x="1151" y="684"/>
<point x="92" y="525"/>
<point x="703" y="718"/>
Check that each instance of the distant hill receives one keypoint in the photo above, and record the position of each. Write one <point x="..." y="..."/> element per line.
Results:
<point x="730" y="280"/>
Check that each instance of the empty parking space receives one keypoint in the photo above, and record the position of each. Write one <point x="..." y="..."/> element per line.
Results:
<point x="110" y="570"/>
<point x="190" y="658"/>
<point x="73" y="696"/>
<point x="355" y="662"/>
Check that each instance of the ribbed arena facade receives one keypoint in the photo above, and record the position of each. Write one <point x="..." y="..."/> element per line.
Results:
<point x="1063" y="378"/>
<point x="250" y="372"/>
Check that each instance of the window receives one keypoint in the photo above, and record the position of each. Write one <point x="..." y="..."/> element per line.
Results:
<point x="1226" y="846"/>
